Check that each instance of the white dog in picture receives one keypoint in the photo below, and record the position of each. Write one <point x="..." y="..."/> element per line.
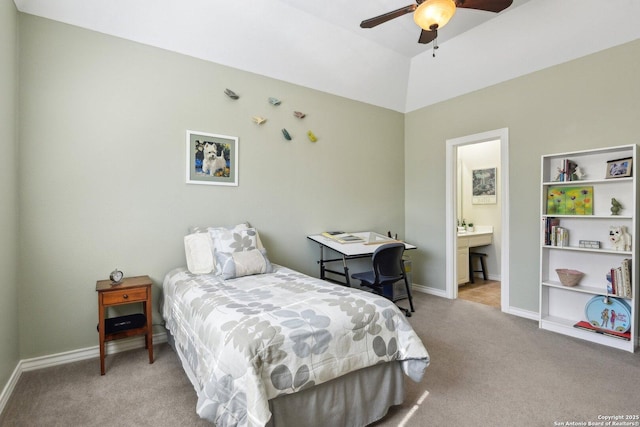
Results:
<point x="212" y="162"/>
<point x="619" y="238"/>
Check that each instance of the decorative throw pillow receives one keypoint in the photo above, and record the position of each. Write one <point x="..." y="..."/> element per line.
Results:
<point x="235" y="240"/>
<point x="205" y="228"/>
<point x="198" y="249"/>
<point x="241" y="226"/>
<point x="238" y="264"/>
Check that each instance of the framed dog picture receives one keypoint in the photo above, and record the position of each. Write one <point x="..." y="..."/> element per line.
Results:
<point x="212" y="159"/>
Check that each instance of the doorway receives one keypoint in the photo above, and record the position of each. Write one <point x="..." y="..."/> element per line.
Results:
<point x="455" y="209"/>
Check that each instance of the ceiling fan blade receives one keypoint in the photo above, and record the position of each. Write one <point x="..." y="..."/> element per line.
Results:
<point x="488" y="5"/>
<point x="427" y="36"/>
<point x="372" y="22"/>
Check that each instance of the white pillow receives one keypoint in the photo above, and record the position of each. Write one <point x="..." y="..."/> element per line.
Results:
<point x="198" y="249"/>
<point x="246" y="263"/>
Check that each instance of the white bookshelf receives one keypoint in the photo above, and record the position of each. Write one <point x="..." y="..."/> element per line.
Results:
<point x="561" y="307"/>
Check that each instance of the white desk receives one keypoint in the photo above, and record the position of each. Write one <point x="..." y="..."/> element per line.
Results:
<point x="348" y="251"/>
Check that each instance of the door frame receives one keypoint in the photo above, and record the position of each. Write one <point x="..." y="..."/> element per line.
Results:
<point x="451" y="210"/>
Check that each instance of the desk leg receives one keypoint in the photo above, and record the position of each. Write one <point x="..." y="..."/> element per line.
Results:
<point x="321" y="262"/>
<point x="346" y="271"/>
<point x="324" y="270"/>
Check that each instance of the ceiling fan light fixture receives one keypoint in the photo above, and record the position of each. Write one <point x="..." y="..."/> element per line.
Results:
<point x="434" y="14"/>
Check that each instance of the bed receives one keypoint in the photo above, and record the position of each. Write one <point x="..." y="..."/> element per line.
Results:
<point x="278" y="347"/>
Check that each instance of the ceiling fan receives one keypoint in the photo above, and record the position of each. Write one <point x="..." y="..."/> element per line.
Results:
<point x="430" y="15"/>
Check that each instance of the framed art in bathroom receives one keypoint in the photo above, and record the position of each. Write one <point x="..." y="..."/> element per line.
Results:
<point x="484" y="186"/>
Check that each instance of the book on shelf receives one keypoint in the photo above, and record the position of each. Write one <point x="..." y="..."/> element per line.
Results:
<point x="626" y="277"/>
<point x="550" y="225"/>
<point x="342" y="237"/>
<point x="611" y="282"/>
<point x="619" y="280"/>
<point x="570" y="170"/>
<point x="567" y="171"/>
<point x="561" y="237"/>
<point x="589" y="327"/>
<point x="554" y="235"/>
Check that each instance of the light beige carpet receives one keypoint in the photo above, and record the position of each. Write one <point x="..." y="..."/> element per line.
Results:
<point x="488" y="369"/>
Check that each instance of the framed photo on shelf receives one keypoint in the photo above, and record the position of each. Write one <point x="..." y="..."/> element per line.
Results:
<point x="211" y="159"/>
<point x="483" y="186"/>
<point x="619" y="168"/>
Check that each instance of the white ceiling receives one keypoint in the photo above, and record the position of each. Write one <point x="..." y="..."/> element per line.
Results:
<point x="319" y="44"/>
<point x="401" y="34"/>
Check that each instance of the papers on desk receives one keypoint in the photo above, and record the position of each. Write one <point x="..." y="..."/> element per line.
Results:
<point x="342" y="237"/>
<point x="369" y="238"/>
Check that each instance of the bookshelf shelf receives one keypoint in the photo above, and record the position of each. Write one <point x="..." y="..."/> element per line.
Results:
<point x="590" y="217"/>
<point x="588" y="181"/>
<point x="575" y="248"/>
<point x="565" y="326"/>
<point x="564" y="234"/>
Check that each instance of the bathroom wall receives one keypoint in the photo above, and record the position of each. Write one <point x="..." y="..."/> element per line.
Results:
<point x="481" y="156"/>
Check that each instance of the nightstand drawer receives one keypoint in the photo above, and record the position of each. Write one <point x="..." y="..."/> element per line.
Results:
<point x="124" y="296"/>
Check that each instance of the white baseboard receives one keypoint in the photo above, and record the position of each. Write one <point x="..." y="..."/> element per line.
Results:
<point x="533" y="315"/>
<point x="8" y="388"/>
<point x="431" y="291"/>
<point x="112" y="347"/>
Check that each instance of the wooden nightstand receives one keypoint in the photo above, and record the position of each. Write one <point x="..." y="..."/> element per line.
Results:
<point x="130" y="290"/>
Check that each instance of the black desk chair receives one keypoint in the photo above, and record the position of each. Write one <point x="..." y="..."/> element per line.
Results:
<point x="388" y="268"/>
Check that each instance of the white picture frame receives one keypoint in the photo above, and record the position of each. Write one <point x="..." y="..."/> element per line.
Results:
<point x="212" y="159"/>
<point x="484" y="186"/>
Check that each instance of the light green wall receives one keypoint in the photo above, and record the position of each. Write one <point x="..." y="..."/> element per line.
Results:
<point x="102" y="169"/>
<point x="101" y="165"/>
<point x="586" y="103"/>
<point x="8" y="192"/>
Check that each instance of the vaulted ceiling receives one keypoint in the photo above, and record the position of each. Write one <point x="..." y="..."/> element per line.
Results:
<point x="319" y="44"/>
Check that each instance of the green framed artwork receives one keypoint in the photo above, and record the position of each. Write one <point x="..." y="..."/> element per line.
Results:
<point x="562" y="200"/>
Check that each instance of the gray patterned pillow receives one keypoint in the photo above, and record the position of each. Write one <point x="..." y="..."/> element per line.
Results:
<point x="241" y="226"/>
<point x="205" y="228"/>
<point x="235" y="240"/>
<point x="246" y="263"/>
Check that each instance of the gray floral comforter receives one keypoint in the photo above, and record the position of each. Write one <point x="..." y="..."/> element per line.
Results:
<point x="247" y="340"/>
